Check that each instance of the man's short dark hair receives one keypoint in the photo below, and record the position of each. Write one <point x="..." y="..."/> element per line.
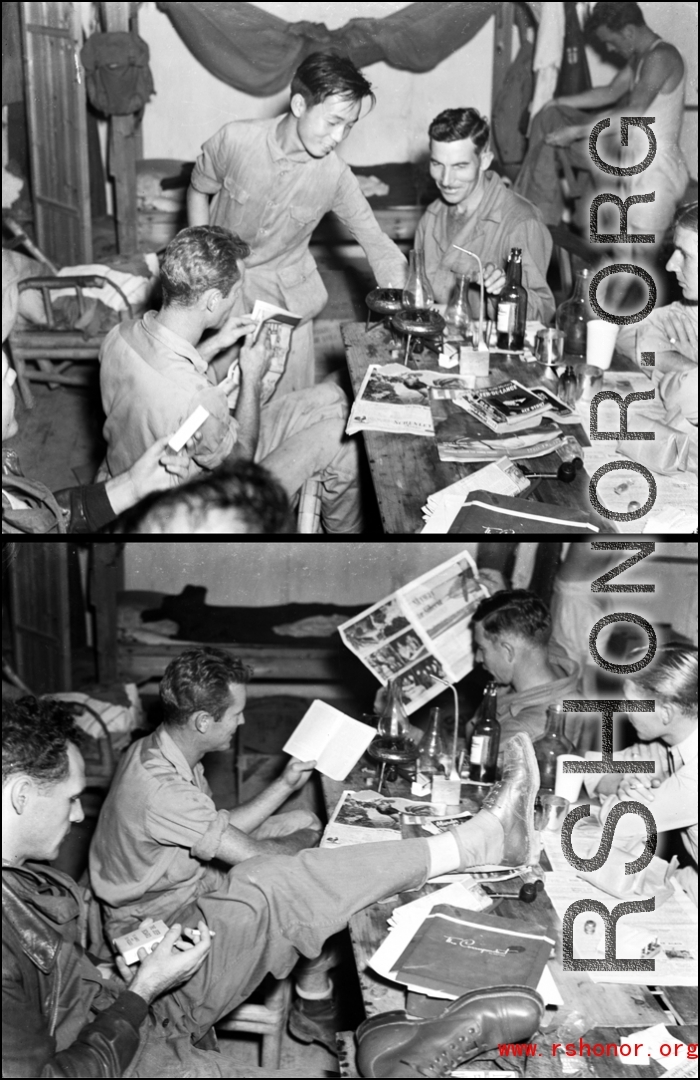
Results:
<point x="35" y="738"/>
<point x="200" y="258"/>
<point x="686" y="217"/>
<point x="323" y="75"/>
<point x="198" y="680"/>
<point x="452" y="125"/>
<point x="515" y="611"/>
<point x="613" y="17"/>
<point x="255" y="501"/>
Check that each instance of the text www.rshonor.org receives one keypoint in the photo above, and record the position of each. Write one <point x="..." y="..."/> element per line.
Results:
<point x="584" y="1049"/>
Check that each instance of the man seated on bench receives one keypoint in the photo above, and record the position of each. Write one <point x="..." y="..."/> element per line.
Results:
<point x="154" y="373"/>
<point x="62" y="1015"/>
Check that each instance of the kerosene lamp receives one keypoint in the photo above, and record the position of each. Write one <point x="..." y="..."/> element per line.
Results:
<point x="393" y="749"/>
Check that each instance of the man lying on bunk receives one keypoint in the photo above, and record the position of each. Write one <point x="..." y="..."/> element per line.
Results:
<point x="477" y="211"/>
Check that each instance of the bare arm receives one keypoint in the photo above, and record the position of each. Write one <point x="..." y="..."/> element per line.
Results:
<point x="236" y="846"/>
<point x="600" y="96"/>
<point x="253" y="363"/>
<point x="251" y="814"/>
<point x="197" y="207"/>
<point x="656" y="69"/>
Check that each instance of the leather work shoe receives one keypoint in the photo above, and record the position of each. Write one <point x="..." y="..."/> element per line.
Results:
<point x="314" y="1021"/>
<point x="512" y="801"/>
<point x="394" y="1045"/>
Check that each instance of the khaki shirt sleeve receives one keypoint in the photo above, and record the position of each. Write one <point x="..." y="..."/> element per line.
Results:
<point x="219" y="431"/>
<point x="180" y="815"/>
<point x="678" y="391"/>
<point x="211" y="166"/>
<point x="387" y="262"/>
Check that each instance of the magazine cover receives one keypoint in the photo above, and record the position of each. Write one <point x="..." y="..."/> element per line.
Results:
<point x="507" y="407"/>
<point x="395" y="399"/>
<point x="456" y="952"/>
<point x="275" y="327"/>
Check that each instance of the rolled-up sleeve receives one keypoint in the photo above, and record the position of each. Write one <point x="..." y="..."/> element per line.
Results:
<point x="219" y="431"/>
<point x="181" y="816"/>
<point x="387" y="262"/>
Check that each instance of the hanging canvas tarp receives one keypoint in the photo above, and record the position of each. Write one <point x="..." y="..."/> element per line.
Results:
<point x="258" y="53"/>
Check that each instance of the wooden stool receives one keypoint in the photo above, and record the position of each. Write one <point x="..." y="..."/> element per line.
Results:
<point x="268" y="1020"/>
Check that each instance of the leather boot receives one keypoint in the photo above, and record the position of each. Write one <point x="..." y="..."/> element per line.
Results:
<point x="394" y="1045"/>
<point x="512" y="801"/>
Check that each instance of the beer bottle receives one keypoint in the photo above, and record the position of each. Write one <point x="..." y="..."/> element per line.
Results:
<point x="483" y="754"/>
<point x="512" y="306"/>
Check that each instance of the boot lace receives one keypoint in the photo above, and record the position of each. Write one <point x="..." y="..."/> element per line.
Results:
<point x="448" y="1059"/>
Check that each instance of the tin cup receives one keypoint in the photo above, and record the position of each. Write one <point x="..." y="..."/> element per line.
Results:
<point x="549" y="347"/>
<point x="553" y="811"/>
<point x="590" y="382"/>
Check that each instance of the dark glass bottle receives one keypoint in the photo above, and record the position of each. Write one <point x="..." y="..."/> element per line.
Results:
<point x="573" y="315"/>
<point x="550" y="745"/>
<point x="483" y="753"/>
<point x="512" y="306"/>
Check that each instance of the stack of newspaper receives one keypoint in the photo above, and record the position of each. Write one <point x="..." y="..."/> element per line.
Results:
<point x="502" y="477"/>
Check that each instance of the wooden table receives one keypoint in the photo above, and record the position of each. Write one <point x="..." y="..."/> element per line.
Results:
<point x="406" y="469"/>
<point x="629" y="1007"/>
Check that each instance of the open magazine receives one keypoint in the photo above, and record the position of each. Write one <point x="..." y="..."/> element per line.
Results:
<point x="421" y="631"/>
<point x="395" y="399"/>
<point x="276" y="328"/>
<point x="366" y="817"/>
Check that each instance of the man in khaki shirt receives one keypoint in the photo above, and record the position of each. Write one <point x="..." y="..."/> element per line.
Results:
<point x="273" y="180"/>
<point x="477" y="211"/>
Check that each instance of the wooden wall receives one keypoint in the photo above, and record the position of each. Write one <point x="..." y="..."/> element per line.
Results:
<point x="257" y="574"/>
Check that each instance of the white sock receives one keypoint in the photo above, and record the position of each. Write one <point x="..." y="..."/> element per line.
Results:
<point x="315" y="995"/>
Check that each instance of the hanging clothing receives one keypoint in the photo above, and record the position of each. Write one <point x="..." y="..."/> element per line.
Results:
<point x="574" y="76"/>
<point x="258" y="53"/>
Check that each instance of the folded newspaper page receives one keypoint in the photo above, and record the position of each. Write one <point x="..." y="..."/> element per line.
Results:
<point x="395" y="399"/>
<point x="420" y="632"/>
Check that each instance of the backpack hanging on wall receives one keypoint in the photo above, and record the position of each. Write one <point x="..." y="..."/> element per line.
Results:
<point x="118" y="78"/>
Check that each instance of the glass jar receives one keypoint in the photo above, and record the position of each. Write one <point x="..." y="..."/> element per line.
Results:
<point x="550" y="745"/>
<point x="431" y="759"/>
<point x="417" y="292"/>
<point x="573" y="315"/>
<point x="568" y="386"/>
<point x="457" y="311"/>
<point x="393" y="722"/>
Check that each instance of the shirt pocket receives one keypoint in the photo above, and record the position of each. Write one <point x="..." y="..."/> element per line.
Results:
<point x="302" y="288"/>
<point x="234" y="200"/>
<point x="303" y="219"/>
